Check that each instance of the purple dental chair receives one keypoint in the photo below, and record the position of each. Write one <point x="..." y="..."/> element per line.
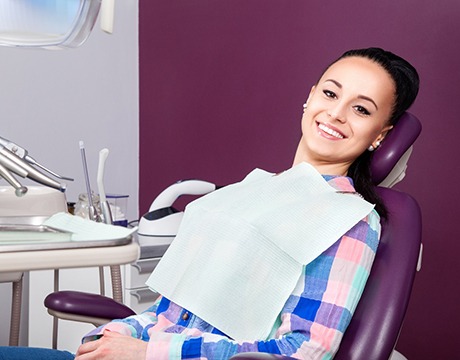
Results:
<point x="375" y="326"/>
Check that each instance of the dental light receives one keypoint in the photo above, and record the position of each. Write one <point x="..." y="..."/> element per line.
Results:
<point x="52" y="24"/>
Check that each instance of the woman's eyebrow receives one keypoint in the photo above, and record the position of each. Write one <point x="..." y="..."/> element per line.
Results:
<point x="368" y="99"/>
<point x="339" y="85"/>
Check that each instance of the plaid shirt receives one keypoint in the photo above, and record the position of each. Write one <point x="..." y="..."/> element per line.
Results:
<point x="310" y="326"/>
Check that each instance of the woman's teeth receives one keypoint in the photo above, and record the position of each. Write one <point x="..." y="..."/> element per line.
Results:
<point x="330" y="131"/>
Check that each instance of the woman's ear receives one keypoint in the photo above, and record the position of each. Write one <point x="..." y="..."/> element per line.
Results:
<point x="312" y="90"/>
<point x="382" y="135"/>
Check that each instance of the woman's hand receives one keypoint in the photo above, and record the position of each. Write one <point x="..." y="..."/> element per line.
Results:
<point x="113" y="346"/>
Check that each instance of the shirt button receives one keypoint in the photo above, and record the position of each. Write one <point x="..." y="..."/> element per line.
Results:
<point x="185" y="316"/>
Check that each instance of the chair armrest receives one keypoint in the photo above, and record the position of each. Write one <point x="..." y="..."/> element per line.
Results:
<point x="92" y="305"/>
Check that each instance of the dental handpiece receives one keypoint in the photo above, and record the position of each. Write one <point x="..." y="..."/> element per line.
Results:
<point x="32" y="161"/>
<point x="19" y="189"/>
<point x="23" y="154"/>
<point x="15" y="164"/>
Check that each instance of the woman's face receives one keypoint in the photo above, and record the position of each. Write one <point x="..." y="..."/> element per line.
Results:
<point x="347" y="111"/>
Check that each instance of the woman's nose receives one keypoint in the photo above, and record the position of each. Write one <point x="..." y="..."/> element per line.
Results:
<point x="337" y="112"/>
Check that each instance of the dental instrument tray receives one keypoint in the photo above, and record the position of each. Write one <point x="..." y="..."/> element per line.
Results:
<point x="21" y="234"/>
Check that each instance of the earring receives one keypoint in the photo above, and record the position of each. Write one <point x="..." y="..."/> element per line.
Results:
<point x="304" y="105"/>
<point x="372" y="147"/>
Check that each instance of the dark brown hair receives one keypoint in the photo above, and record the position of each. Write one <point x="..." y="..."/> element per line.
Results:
<point x="406" y="82"/>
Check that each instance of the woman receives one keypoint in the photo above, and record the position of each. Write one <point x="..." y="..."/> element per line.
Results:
<point x="347" y="115"/>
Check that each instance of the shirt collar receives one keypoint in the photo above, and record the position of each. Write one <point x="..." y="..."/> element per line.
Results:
<point x="341" y="183"/>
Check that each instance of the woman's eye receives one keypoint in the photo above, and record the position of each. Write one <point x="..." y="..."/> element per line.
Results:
<point x="330" y="94"/>
<point x="362" y="110"/>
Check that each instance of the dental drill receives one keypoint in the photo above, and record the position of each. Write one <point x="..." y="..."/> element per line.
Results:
<point x="15" y="159"/>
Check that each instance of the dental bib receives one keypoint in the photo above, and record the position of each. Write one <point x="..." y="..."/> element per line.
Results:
<point x="240" y="250"/>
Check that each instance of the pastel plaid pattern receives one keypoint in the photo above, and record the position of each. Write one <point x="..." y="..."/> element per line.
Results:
<point x="310" y="326"/>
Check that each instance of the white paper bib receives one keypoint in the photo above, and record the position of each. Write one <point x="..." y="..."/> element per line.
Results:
<point x="240" y="250"/>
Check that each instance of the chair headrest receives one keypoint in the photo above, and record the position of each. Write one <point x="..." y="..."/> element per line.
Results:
<point x="389" y="160"/>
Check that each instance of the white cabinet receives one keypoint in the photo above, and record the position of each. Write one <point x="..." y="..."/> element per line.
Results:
<point x="137" y="295"/>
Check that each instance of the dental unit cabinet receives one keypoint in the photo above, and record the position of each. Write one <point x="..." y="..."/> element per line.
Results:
<point x="52" y="98"/>
<point x="22" y="213"/>
<point x="157" y="229"/>
<point x="27" y="243"/>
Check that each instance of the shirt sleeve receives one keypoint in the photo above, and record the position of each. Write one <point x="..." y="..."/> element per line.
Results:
<point x="135" y="326"/>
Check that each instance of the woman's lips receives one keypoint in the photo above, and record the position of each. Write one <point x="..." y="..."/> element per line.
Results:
<point x="330" y="132"/>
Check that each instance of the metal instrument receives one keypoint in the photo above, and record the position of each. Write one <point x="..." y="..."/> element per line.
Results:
<point x="15" y="159"/>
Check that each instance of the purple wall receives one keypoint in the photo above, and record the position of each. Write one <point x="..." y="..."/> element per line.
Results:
<point x="222" y="85"/>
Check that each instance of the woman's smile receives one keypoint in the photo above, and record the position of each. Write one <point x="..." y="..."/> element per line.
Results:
<point x="330" y="132"/>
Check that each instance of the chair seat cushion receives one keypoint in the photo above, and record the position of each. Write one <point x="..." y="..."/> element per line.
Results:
<point x="81" y="303"/>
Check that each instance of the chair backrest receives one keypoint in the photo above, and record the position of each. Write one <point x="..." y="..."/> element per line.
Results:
<point x="390" y="159"/>
<point x="375" y="326"/>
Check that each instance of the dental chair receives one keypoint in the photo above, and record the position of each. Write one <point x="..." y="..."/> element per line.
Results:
<point x="375" y="326"/>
